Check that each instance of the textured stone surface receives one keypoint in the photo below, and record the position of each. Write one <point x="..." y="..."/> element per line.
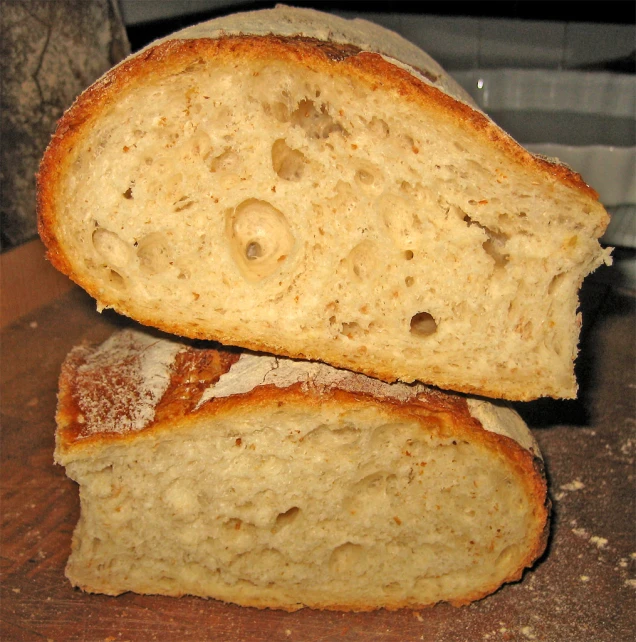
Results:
<point x="50" y="51"/>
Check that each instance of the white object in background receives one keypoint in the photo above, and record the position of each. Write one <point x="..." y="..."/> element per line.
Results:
<point x="600" y="93"/>
<point x="585" y="119"/>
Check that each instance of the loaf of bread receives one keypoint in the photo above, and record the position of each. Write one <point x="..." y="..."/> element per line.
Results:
<point x="276" y="483"/>
<point x="293" y="182"/>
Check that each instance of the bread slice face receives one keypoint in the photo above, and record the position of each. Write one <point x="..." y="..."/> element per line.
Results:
<point x="285" y="484"/>
<point x="318" y="199"/>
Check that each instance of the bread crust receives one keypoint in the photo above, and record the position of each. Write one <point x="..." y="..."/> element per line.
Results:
<point x="195" y="370"/>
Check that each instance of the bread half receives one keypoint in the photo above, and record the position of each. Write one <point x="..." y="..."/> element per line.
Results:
<point x="283" y="484"/>
<point x="296" y="183"/>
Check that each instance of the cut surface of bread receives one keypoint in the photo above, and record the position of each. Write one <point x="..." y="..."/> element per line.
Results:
<point x="253" y="182"/>
<point x="285" y="484"/>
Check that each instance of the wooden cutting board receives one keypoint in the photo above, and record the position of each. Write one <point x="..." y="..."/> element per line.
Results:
<point x="582" y="590"/>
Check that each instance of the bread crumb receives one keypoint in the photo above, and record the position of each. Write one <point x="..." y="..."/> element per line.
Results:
<point x="600" y="542"/>
<point x="33" y="325"/>
<point x="16" y="590"/>
<point x="630" y="583"/>
<point x="627" y="447"/>
<point x="579" y="532"/>
<point x="577" y="484"/>
<point x="585" y="578"/>
<point x="527" y="631"/>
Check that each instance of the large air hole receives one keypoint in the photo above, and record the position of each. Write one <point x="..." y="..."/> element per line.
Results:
<point x="423" y="324"/>
<point x="316" y="122"/>
<point x="113" y="249"/>
<point x="260" y="238"/>
<point x="154" y="253"/>
<point x="288" y="163"/>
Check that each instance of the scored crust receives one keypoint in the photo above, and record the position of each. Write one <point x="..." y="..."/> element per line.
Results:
<point x="137" y="381"/>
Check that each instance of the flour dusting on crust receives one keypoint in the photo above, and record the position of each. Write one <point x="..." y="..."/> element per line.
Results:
<point x="120" y="384"/>
<point x="251" y="371"/>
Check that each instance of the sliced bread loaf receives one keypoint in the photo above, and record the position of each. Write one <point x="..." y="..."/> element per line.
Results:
<point x="277" y="483"/>
<point x="293" y="182"/>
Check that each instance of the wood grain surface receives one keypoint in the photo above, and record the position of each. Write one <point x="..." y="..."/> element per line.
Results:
<point x="582" y="590"/>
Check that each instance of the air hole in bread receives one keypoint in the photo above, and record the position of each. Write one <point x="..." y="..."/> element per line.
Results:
<point x="286" y="519"/>
<point x="253" y="251"/>
<point x="351" y="329"/>
<point x="184" y="203"/>
<point x="379" y="127"/>
<point x="116" y="279"/>
<point x="153" y="252"/>
<point x="423" y="324"/>
<point x="494" y="245"/>
<point x="128" y="194"/>
<point x="363" y="260"/>
<point x="288" y="163"/>
<point x="260" y="238"/>
<point x="378" y="481"/>
<point x="315" y="121"/>
<point x="226" y="160"/>
<point x="115" y="251"/>
<point x="233" y="524"/>
<point x="555" y="284"/>
<point x="495" y="251"/>
<point x="365" y="177"/>
<point x="346" y="557"/>
<point x="409" y="281"/>
<point x="408" y="255"/>
<point x="399" y="218"/>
